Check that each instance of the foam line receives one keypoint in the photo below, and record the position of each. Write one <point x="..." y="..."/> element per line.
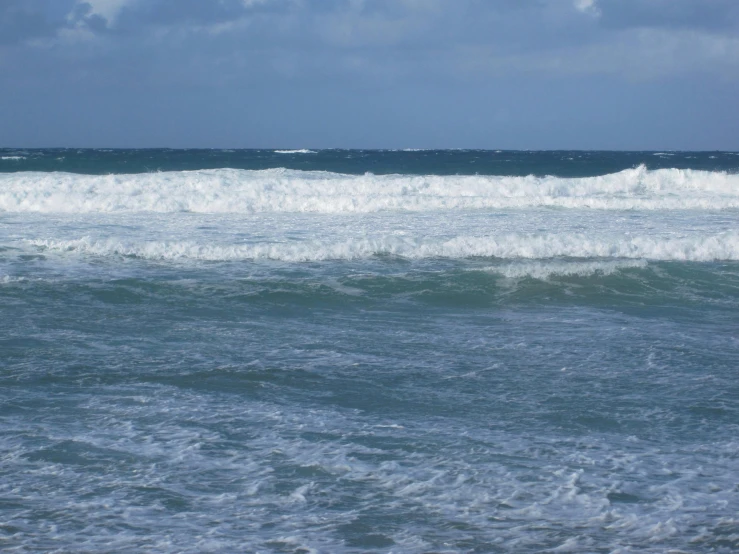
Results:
<point x="721" y="246"/>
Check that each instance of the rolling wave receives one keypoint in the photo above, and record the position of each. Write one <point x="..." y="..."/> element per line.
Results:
<point x="282" y="190"/>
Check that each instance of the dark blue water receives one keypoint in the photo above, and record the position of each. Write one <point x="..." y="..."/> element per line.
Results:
<point x="563" y="163"/>
<point x="354" y="351"/>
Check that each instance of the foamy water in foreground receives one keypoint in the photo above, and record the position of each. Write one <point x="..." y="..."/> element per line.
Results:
<point x="297" y="352"/>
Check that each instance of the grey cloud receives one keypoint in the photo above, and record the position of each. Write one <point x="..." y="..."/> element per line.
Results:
<point x="182" y="12"/>
<point x="22" y="20"/>
<point x="709" y="15"/>
<point x="140" y="17"/>
<point x="25" y="20"/>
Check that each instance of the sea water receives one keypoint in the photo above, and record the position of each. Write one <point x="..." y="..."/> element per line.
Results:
<point x="369" y="351"/>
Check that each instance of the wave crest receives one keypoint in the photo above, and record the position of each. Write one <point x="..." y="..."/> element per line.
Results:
<point x="282" y="190"/>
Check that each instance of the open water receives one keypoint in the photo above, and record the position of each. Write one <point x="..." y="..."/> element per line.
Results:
<point x="369" y="351"/>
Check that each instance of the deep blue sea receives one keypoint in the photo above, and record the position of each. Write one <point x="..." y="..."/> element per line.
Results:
<point x="369" y="351"/>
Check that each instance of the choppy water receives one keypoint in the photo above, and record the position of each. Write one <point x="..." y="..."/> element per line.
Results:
<point x="352" y="351"/>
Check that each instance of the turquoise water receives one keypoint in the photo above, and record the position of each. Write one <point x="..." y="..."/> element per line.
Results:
<point x="353" y="351"/>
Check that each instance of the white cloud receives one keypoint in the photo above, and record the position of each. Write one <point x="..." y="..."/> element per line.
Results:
<point x="108" y="9"/>
<point x="587" y="6"/>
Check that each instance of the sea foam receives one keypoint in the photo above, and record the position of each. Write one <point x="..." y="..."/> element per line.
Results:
<point x="282" y="190"/>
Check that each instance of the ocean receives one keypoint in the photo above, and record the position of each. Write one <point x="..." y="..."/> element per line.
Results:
<point x="369" y="351"/>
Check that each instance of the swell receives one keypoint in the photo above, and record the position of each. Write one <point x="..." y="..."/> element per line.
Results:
<point x="604" y="283"/>
<point x="282" y="190"/>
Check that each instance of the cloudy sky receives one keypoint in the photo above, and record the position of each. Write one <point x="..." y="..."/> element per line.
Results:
<point x="529" y="74"/>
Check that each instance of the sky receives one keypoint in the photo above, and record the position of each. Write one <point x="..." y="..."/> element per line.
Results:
<point x="498" y="74"/>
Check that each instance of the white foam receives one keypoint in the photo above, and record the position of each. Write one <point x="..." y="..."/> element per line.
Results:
<point x="282" y="190"/>
<point x="544" y="270"/>
<point x="301" y="151"/>
<point x="12" y="158"/>
<point x="11" y="279"/>
<point x="721" y="246"/>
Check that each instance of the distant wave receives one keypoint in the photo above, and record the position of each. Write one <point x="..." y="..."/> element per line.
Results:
<point x="12" y="158"/>
<point x="720" y="246"/>
<point x="302" y="151"/>
<point x="282" y="190"/>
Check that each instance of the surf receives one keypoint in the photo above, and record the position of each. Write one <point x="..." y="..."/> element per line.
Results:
<point x="295" y="191"/>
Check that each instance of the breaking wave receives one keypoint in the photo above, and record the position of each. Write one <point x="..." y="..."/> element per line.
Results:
<point x="715" y="247"/>
<point x="282" y="190"/>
